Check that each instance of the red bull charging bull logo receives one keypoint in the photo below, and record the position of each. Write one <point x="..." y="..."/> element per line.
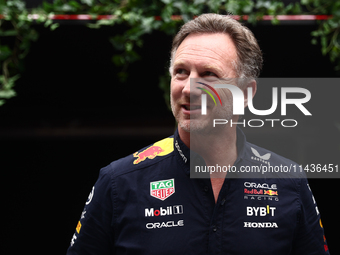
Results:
<point x="270" y="192"/>
<point x="160" y="148"/>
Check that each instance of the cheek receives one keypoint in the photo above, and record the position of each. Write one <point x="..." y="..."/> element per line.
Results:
<point x="226" y="96"/>
<point x="175" y="90"/>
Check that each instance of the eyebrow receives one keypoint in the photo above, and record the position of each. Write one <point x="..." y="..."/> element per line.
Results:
<point x="208" y="67"/>
<point x="179" y="63"/>
<point x="213" y="69"/>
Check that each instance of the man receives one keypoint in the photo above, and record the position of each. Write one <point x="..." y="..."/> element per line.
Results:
<point x="146" y="203"/>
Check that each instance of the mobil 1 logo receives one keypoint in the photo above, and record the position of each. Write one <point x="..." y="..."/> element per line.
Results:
<point x="164" y="211"/>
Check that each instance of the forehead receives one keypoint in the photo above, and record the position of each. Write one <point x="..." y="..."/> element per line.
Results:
<point x="214" y="50"/>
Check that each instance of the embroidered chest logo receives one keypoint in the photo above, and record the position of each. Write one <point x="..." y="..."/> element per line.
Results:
<point x="162" y="189"/>
<point x="264" y="158"/>
<point x="260" y="191"/>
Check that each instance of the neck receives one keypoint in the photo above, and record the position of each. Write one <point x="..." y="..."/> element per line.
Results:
<point x="216" y="148"/>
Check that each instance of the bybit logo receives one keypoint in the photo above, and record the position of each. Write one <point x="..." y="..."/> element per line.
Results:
<point x="261" y="211"/>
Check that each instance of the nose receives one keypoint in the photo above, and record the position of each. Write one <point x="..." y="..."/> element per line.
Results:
<point x="186" y="88"/>
<point x="190" y="85"/>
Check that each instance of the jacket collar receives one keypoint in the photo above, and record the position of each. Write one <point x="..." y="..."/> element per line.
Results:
<point x="183" y="153"/>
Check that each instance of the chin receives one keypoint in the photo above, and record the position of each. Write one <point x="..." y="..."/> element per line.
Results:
<point x="194" y="127"/>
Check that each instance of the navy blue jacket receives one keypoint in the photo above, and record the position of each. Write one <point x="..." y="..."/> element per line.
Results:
<point x="146" y="203"/>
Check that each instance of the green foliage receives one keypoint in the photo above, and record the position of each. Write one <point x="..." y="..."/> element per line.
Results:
<point x="327" y="35"/>
<point x="141" y="17"/>
<point x="16" y="35"/>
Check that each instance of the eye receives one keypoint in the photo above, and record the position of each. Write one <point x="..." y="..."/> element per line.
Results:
<point x="208" y="73"/>
<point x="180" y="71"/>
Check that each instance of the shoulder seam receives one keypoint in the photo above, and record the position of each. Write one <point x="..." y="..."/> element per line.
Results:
<point x="139" y="167"/>
<point x="114" y="201"/>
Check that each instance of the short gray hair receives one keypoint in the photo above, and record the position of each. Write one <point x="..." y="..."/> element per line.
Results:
<point x="249" y="55"/>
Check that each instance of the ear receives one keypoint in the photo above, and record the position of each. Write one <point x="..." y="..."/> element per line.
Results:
<point x="251" y="84"/>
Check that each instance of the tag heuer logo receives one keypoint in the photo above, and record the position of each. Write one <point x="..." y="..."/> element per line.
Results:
<point x="162" y="189"/>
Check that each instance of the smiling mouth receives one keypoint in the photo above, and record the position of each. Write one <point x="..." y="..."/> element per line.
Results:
<point x="191" y="107"/>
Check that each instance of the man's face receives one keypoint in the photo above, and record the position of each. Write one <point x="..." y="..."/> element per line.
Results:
<point x="205" y="57"/>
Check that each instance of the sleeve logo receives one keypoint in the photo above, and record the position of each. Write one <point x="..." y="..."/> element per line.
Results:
<point x="160" y="148"/>
<point x="89" y="199"/>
